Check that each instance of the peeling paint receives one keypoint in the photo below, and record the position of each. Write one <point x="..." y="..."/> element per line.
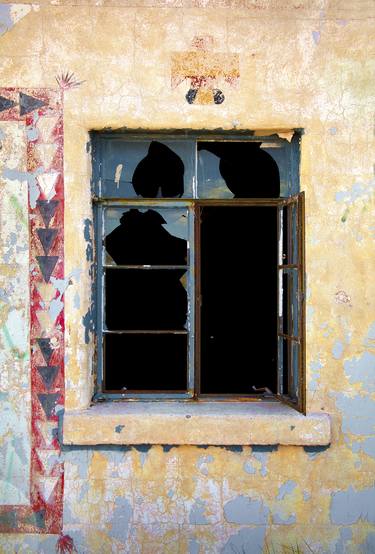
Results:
<point x="193" y="546"/>
<point x="357" y="414"/>
<point x="87" y="233"/>
<point x="361" y="370"/>
<point x="197" y="513"/>
<point x="247" y="541"/>
<point x="286" y="488"/>
<point x="30" y="177"/>
<point x="119" y="428"/>
<point x="359" y="191"/>
<point x="279" y="519"/>
<point x="121" y="518"/>
<point x="246" y="511"/>
<point x="349" y="506"/>
<point x="10" y="14"/>
<point x="337" y="349"/>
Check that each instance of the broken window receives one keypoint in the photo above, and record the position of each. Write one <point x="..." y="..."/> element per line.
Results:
<point x="200" y="273"/>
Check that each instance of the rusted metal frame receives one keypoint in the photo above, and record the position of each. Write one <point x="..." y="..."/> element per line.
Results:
<point x="177" y="202"/>
<point x="198" y="298"/>
<point x="300" y="402"/>
<point x="145" y="332"/>
<point x="135" y="395"/>
<point x="191" y="356"/>
<point x="289" y="299"/>
<point x="287" y="200"/>
<point x="236" y="202"/>
<point x="187" y="134"/>
<point x="279" y="365"/>
<point x="126" y="392"/>
<point x="99" y="226"/>
<point x="154" y="396"/>
<point x="146" y="202"/>
<point x="288" y="337"/>
<point x="288" y="266"/>
<point x="266" y="202"/>
<point x="301" y="303"/>
<point x="108" y="266"/>
<point x="235" y="398"/>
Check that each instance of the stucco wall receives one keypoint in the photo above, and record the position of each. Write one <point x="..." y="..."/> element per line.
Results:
<point x="283" y="65"/>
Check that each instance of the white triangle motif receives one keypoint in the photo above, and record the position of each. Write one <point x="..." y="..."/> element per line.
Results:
<point x="47" y="183"/>
<point x="49" y="459"/>
<point x="46" y="486"/>
<point x="47" y="430"/>
<point x="45" y="127"/>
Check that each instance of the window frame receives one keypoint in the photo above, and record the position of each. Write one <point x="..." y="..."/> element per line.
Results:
<point x="194" y="205"/>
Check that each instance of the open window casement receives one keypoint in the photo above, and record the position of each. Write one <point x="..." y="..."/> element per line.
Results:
<point x="291" y="302"/>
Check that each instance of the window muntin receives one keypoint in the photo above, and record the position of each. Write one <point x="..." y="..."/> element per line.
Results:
<point x="289" y="349"/>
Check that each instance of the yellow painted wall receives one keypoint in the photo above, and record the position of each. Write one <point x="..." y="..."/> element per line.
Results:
<point x="301" y="64"/>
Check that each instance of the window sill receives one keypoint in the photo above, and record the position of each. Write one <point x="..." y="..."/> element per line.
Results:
<point x="213" y="423"/>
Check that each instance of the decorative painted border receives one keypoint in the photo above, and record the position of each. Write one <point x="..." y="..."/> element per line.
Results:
<point x="41" y="111"/>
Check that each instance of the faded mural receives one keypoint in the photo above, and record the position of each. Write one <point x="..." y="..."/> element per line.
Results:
<point x="266" y="66"/>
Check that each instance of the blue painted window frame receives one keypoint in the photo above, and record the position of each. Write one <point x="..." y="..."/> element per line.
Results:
<point x="291" y="153"/>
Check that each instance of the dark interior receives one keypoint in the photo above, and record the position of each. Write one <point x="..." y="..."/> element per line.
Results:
<point x="146" y="309"/>
<point x="152" y="300"/>
<point x="239" y="299"/>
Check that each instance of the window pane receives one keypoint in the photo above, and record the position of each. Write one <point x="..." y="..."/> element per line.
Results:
<point x="294" y="370"/>
<point x="288" y="352"/>
<point x="145" y="236"/>
<point x="288" y="232"/>
<point x="289" y="316"/>
<point x="140" y="299"/>
<point x="147" y="169"/>
<point x="145" y="362"/>
<point x="284" y="356"/>
<point x="293" y="254"/>
<point x="239" y="303"/>
<point x="236" y="170"/>
<point x="280" y="152"/>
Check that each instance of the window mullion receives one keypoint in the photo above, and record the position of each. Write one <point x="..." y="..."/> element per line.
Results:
<point x="198" y="298"/>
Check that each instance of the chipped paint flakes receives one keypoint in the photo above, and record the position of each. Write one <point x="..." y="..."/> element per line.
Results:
<point x="246" y="511"/>
<point x="350" y="505"/>
<point x="10" y="14"/>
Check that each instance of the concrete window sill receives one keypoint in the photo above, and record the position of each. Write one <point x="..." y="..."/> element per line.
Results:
<point x="211" y="423"/>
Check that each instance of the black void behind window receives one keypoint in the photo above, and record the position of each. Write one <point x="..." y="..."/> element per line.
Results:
<point x="146" y="304"/>
<point x="200" y="269"/>
<point x="239" y="299"/>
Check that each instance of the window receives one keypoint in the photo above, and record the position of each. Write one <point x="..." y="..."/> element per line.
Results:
<point x="199" y="268"/>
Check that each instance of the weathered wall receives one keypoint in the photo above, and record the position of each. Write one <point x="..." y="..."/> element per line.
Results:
<point x="280" y="65"/>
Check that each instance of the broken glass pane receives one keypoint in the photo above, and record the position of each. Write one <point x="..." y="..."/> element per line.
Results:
<point x="145" y="236"/>
<point x="147" y="169"/>
<point x="236" y="170"/>
<point x="280" y="152"/>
